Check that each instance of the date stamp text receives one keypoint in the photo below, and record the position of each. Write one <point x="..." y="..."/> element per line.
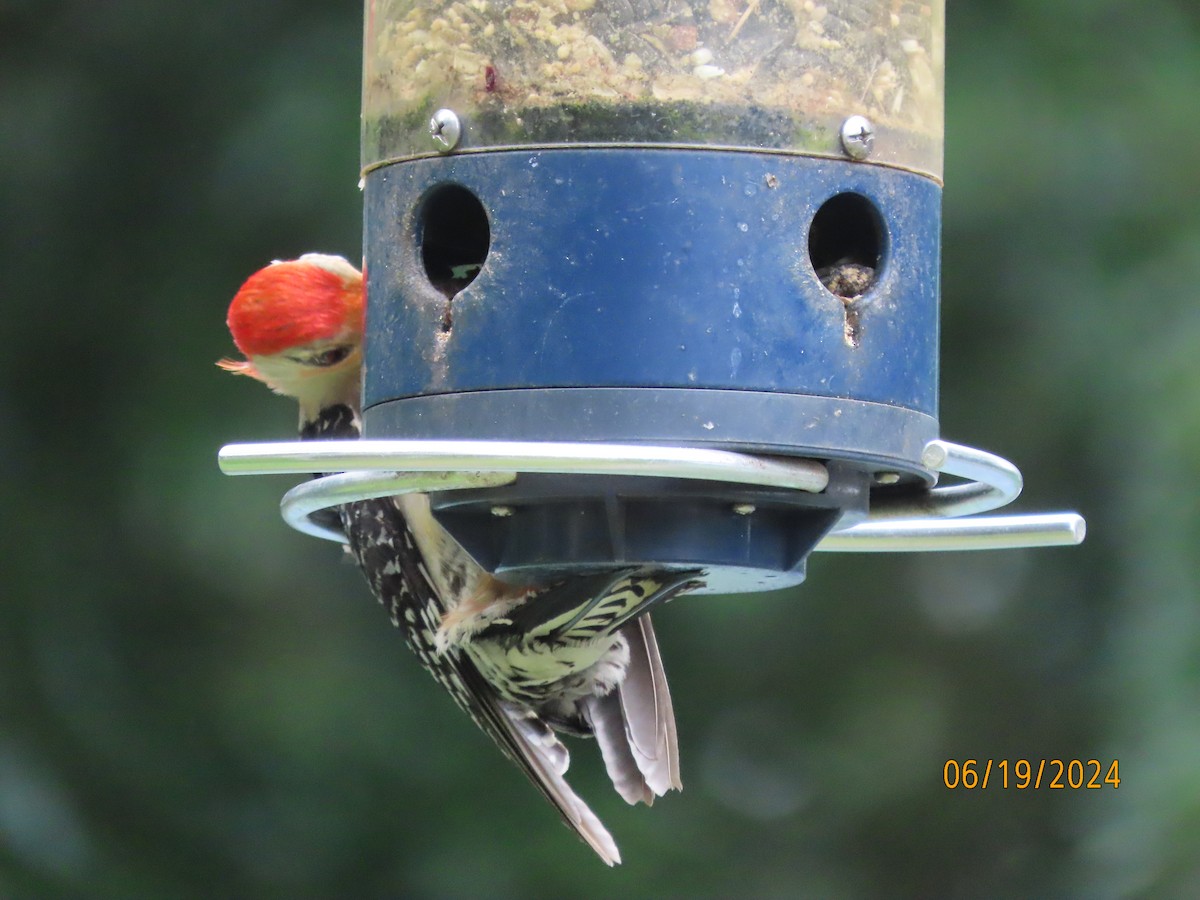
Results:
<point x="1031" y="774"/>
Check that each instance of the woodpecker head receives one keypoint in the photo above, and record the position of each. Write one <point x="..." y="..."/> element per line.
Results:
<point x="299" y="324"/>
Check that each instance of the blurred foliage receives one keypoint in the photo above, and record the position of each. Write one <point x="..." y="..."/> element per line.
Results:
<point x="197" y="702"/>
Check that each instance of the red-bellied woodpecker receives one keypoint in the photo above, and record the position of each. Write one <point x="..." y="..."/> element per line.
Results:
<point x="579" y="656"/>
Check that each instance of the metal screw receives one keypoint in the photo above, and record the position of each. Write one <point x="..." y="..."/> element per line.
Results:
<point x="858" y="137"/>
<point x="445" y="129"/>
<point x="502" y="512"/>
<point x="743" y="509"/>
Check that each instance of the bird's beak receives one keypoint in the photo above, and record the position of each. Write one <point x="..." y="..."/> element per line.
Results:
<point x="240" y="367"/>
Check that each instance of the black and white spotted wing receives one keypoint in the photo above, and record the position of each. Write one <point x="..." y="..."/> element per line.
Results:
<point x="387" y="554"/>
<point x="585" y="606"/>
<point x="557" y="645"/>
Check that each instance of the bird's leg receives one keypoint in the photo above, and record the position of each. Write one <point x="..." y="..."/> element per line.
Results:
<point x="488" y="603"/>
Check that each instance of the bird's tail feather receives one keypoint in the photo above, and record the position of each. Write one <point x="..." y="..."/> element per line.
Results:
<point x="603" y="714"/>
<point x="514" y="731"/>
<point x="635" y="724"/>
<point x="648" y="712"/>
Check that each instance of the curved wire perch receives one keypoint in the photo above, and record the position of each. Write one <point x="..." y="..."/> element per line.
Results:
<point x="926" y="521"/>
<point x="920" y="521"/>
<point x="292" y="458"/>
<point x="350" y="487"/>
<point x="975" y="533"/>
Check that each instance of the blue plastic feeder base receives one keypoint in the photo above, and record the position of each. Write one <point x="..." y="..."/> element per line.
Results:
<point x="745" y="301"/>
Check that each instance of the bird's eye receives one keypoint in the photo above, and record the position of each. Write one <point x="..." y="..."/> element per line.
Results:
<point x="325" y="358"/>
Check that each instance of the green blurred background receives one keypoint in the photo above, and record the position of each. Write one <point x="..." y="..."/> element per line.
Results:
<point x="197" y="702"/>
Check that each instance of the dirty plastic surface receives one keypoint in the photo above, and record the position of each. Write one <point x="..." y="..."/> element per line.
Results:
<point x="777" y="75"/>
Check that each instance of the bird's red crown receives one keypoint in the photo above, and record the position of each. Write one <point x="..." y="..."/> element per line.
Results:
<point x="296" y="302"/>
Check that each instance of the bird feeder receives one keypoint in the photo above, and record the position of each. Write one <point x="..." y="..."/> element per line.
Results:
<point x="656" y="282"/>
